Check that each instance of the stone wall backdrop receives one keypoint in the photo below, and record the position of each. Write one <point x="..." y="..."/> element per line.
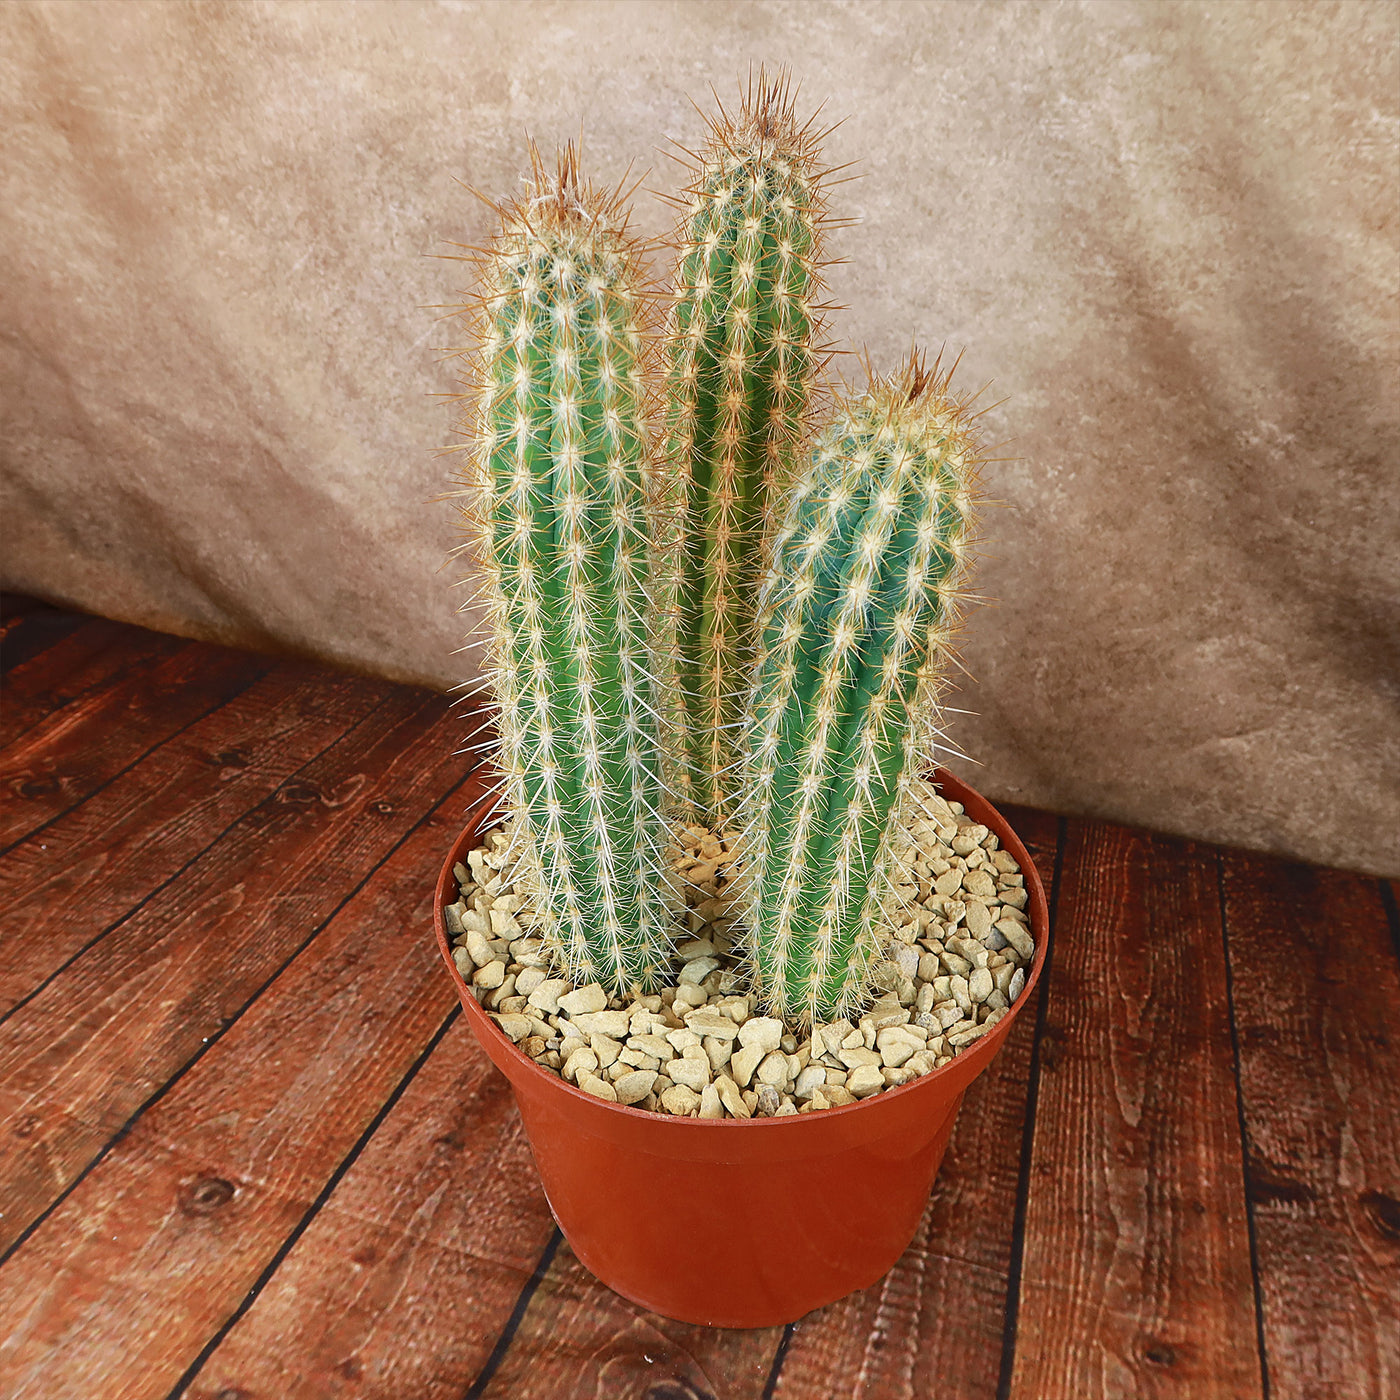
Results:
<point x="1168" y="232"/>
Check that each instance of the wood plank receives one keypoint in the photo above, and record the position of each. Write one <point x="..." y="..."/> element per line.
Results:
<point x="28" y="627"/>
<point x="934" y="1326"/>
<point x="430" y="1236"/>
<point x="579" y="1339"/>
<point x="1136" y="1271"/>
<point x="96" y="656"/>
<point x="120" y="1288"/>
<point x="71" y="882"/>
<point x="117" y="1023"/>
<point x="1317" y="1011"/>
<point x="68" y="756"/>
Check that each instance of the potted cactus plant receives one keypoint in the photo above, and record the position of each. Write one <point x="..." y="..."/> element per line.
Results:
<point x="718" y="608"/>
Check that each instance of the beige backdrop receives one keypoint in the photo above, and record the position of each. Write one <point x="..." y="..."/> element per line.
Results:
<point x="1168" y="232"/>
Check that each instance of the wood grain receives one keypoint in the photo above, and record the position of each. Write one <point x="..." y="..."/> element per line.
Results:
<point x="407" y="1275"/>
<point x="934" y="1325"/>
<point x="65" y="758"/>
<point x="88" y="868"/>
<point x="1136" y="1274"/>
<point x="580" y="1341"/>
<point x="1317" y="1009"/>
<point x="119" y="1289"/>
<point x="113" y="1027"/>
<point x="94" y="657"/>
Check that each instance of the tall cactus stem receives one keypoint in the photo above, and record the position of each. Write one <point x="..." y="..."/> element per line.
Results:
<point x="557" y="510"/>
<point x="856" y="619"/>
<point x="743" y="357"/>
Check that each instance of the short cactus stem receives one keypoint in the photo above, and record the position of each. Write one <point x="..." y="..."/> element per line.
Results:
<point x="561" y="532"/>
<point x="856" y="616"/>
<point x="742" y="363"/>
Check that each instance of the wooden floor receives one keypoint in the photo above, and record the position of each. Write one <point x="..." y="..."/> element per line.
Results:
<point x="249" y="1150"/>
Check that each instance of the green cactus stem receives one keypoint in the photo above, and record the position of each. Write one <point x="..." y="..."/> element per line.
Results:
<point x="560" y="522"/>
<point x="856" y="615"/>
<point x="742" y="361"/>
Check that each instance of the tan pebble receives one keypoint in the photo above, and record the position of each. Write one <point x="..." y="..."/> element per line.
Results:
<point x="710" y="1103"/>
<point x="809" y="1080"/>
<point x="658" y="1047"/>
<point x="1005" y="862"/>
<point x="697" y="970"/>
<point x="546" y="996"/>
<point x="1018" y="937"/>
<point x="694" y="1074"/>
<point x="743" y="1062"/>
<point x="503" y="924"/>
<point x="1015" y="898"/>
<point x="680" y="1101"/>
<point x="599" y="1088"/>
<point x="634" y="1087"/>
<point x="712" y="1023"/>
<point x="490" y="976"/>
<point x="534" y="1046"/>
<point x="695" y="948"/>
<point x="610" y="1023"/>
<point x="639" y="1059"/>
<point x="920" y="1063"/>
<point x="773" y="1069"/>
<point x="961" y="994"/>
<point x="687" y="995"/>
<point x="980" y="984"/>
<point x="819" y="1100"/>
<point x="527" y="979"/>
<point x="750" y="1098"/>
<point x="463" y="961"/>
<point x="682" y="1040"/>
<point x="478" y="948"/>
<point x="584" y="1060"/>
<point x="895" y="1075"/>
<point x="516" y="1027"/>
<point x="1016" y="985"/>
<point x="949" y="883"/>
<point x="583" y="1000"/>
<point x="948" y="1013"/>
<point x="956" y="964"/>
<point x="761" y="1032"/>
<point x="605" y="1048"/>
<point x="731" y="1097"/>
<point x="717" y="1051"/>
<point x="859" y="1056"/>
<point x="864" y="1081"/>
<point x="838" y="1095"/>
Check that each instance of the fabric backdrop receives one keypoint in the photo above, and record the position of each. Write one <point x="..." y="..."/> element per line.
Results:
<point x="1168" y="232"/>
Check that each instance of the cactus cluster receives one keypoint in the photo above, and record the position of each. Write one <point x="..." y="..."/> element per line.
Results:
<point x="704" y="600"/>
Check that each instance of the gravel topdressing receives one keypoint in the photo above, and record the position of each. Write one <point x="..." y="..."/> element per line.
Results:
<point x="957" y="957"/>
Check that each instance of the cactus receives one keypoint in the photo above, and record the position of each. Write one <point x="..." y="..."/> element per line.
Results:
<point x="742" y="359"/>
<point x="855" y="618"/>
<point x="560" y="526"/>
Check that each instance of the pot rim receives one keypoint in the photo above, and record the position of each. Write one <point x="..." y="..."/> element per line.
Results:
<point x="967" y="1064"/>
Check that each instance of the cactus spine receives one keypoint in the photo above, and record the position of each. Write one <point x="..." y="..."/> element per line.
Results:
<point x="855" y="616"/>
<point x="742" y="361"/>
<point x="561" y="530"/>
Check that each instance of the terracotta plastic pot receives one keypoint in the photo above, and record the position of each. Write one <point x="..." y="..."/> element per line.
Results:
<point x="742" y="1223"/>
